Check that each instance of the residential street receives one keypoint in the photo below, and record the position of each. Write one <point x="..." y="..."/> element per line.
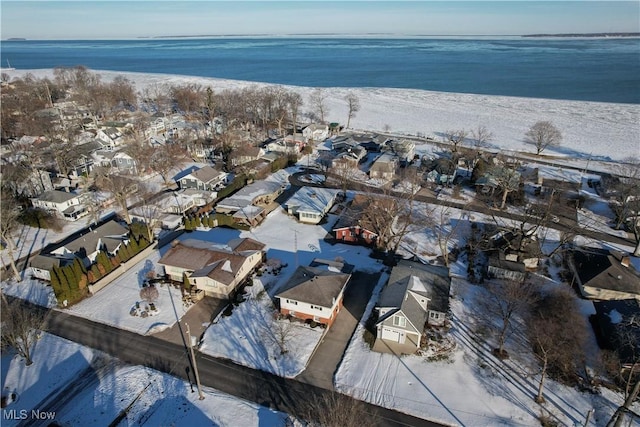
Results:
<point x="287" y="395"/>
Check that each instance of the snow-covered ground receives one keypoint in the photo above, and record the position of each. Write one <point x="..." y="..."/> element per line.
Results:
<point x="469" y="387"/>
<point x="77" y="386"/>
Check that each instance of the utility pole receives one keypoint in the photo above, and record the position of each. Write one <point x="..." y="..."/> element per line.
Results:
<point x="193" y="360"/>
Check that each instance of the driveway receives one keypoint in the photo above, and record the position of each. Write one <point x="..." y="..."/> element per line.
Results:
<point x="328" y="354"/>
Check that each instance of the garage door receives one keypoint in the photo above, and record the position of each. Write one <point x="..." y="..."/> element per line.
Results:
<point x="392" y="335"/>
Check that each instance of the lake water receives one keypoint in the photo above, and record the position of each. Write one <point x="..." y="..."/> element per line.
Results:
<point x="591" y="69"/>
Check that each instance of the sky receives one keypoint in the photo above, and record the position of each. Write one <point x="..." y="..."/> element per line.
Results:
<point x="115" y="19"/>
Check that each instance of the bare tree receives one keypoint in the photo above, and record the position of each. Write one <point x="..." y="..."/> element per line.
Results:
<point x="282" y="332"/>
<point x="21" y="326"/>
<point x="164" y="159"/>
<point x="542" y="135"/>
<point x="318" y="102"/>
<point x="505" y="300"/>
<point x="333" y="409"/>
<point x="456" y="138"/>
<point x="345" y="171"/>
<point x="9" y="214"/>
<point x="558" y="346"/>
<point x="353" y="104"/>
<point x="149" y="293"/>
<point x="120" y="187"/>
<point x="445" y="231"/>
<point x="147" y="210"/>
<point x="481" y="137"/>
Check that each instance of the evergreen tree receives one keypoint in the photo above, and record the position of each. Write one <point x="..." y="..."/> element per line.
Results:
<point x="186" y="283"/>
<point x="197" y="222"/>
<point x="133" y="247"/>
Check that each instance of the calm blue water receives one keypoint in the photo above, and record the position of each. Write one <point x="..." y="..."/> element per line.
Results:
<point x="605" y="70"/>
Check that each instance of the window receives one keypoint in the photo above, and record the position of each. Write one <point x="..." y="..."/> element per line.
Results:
<point x="434" y="315"/>
<point x="292" y="302"/>
<point x="399" y="321"/>
<point x="315" y="307"/>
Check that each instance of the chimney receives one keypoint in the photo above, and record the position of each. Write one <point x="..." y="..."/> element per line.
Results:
<point x="625" y="261"/>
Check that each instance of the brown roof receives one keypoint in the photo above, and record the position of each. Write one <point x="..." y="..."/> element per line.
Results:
<point x="203" y="259"/>
<point x="246" y="244"/>
<point x="314" y="286"/>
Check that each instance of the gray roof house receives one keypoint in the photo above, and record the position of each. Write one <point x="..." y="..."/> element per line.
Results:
<point x="108" y="236"/>
<point x="41" y="265"/>
<point x="417" y="294"/>
<point x="205" y="178"/>
<point x="64" y="204"/>
<point x="314" y="293"/>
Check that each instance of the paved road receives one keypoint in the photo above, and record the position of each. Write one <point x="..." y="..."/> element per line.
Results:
<point x="565" y="225"/>
<point x="328" y="354"/>
<point x="287" y="395"/>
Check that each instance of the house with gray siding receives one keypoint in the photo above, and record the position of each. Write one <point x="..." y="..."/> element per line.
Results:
<point x="415" y="296"/>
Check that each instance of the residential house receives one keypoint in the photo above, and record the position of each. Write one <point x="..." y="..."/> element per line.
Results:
<point x="314" y="294"/>
<point x="110" y="136"/>
<point x="248" y="205"/>
<point x="405" y="150"/>
<point x="315" y="132"/>
<point x="205" y="178"/>
<point x="282" y="146"/>
<point x="311" y="204"/>
<point x="416" y="295"/>
<point x="353" y="226"/>
<point x="214" y="269"/>
<point x="42" y="264"/>
<point x="442" y="171"/>
<point x="109" y="237"/>
<point x="498" y="177"/>
<point x="617" y="327"/>
<point x="384" y="167"/>
<point x="245" y="154"/>
<point x="66" y="205"/>
<point x="124" y="163"/>
<point x="604" y="275"/>
<point x="511" y="256"/>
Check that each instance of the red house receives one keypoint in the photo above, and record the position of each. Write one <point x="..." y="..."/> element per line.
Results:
<point x="352" y="227"/>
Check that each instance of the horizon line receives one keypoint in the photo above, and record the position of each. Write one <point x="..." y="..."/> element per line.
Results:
<point x="336" y="35"/>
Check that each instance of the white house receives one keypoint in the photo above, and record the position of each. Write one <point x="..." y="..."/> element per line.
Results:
<point x="66" y="205"/>
<point x="315" y="132"/>
<point x="41" y="265"/>
<point x="216" y="270"/>
<point x="311" y="204"/>
<point x="111" y="136"/>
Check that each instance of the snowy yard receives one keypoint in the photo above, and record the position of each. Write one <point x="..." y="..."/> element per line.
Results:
<point x="113" y="304"/>
<point x="108" y="387"/>
<point x="250" y="335"/>
<point x="470" y="387"/>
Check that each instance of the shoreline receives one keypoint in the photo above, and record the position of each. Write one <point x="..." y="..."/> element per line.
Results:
<point x="597" y="130"/>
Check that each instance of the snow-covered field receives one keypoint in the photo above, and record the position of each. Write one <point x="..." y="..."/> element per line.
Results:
<point x="77" y="386"/>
